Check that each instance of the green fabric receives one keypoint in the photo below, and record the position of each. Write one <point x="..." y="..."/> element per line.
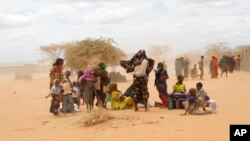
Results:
<point x="102" y="66"/>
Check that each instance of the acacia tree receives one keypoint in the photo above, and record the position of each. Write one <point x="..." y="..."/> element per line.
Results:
<point x="54" y="51"/>
<point x="92" y="52"/>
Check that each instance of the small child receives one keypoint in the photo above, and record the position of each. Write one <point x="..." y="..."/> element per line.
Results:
<point x="67" y="94"/>
<point x="76" y="96"/>
<point x="201" y="92"/>
<point x="190" y="102"/>
<point x="193" y="103"/>
<point x="97" y="87"/>
<point x="56" y="93"/>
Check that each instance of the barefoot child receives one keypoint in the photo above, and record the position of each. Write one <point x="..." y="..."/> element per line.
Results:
<point x="67" y="94"/>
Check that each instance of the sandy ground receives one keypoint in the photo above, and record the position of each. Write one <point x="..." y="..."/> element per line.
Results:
<point x="24" y="114"/>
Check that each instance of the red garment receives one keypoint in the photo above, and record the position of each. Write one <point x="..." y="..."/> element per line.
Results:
<point x="214" y="67"/>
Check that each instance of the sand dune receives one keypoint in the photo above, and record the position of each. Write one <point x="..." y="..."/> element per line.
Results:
<point x="24" y="114"/>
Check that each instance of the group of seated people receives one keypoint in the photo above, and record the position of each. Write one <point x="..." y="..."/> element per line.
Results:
<point x="195" y="98"/>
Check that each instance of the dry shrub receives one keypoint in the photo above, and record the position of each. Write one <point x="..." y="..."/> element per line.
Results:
<point x="98" y="117"/>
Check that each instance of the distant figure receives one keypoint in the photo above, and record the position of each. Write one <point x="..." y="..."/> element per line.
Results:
<point x="164" y="65"/>
<point x="201" y="67"/>
<point x="232" y="64"/>
<point x="214" y="67"/>
<point x="224" y="65"/>
<point x="185" y="67"/>
<point x="237" y="61"/>
<point x="56" y="71"/>
<point x="194" y="72"/>
<point x="178" y="67"/>
<point x="160" y="82"/>
<point x="179" y="87"/>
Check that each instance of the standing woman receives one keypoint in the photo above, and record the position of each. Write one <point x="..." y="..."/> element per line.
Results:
<point x="87" y="81"/>
<point x="56" y="71"/>
<point x="186" y="67"/>
<point x="214" y="67"/>
<point x="161" y="76"/>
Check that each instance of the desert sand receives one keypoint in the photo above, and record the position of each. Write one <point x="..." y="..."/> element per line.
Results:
<point x="24" y="114"/>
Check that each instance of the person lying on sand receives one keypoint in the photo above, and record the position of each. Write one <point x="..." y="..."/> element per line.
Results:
<point x="179" y="87"/>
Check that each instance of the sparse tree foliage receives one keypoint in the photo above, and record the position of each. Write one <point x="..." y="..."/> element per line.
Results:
<point x="54" y="51"/>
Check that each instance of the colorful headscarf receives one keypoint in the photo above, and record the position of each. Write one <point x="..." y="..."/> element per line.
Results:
<point x="87" y="74"/>
<point x="102" y="66"/>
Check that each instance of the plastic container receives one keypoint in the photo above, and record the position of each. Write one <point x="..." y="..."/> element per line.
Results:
<point x="213" y="105"/>
<point x="170" y="103"/>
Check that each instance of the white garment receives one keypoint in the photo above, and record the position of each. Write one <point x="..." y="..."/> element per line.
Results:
<point x="140" y="70"/>
<point x="56" y="89"/>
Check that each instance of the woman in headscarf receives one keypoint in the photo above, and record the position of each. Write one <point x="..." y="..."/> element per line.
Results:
<point x="87" y="81"/>
<point x="214" y="67"/>
<point x="160" y="82"/>
<point x="140" y="84"/>
<point x="56" y="71"/>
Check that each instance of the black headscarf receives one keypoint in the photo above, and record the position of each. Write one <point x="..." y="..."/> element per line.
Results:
<point x="58" y="61"/>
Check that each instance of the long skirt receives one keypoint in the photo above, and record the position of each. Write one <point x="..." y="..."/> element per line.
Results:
<point x="162" y="89"/>
<point x="141" y="90"/>
<point x="88" y="92"/>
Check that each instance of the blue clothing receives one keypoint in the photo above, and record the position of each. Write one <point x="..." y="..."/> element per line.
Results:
<point x="191" y="99"/>
<point x="161" y="84"/>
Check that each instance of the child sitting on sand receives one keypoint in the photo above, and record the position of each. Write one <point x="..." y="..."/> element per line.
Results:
<point x="192" y="104"/>
<point x="201" y="93"/>
<point x="179" y="87"/>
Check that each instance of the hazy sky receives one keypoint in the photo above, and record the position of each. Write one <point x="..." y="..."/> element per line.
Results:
<point x="183" y="25"/>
